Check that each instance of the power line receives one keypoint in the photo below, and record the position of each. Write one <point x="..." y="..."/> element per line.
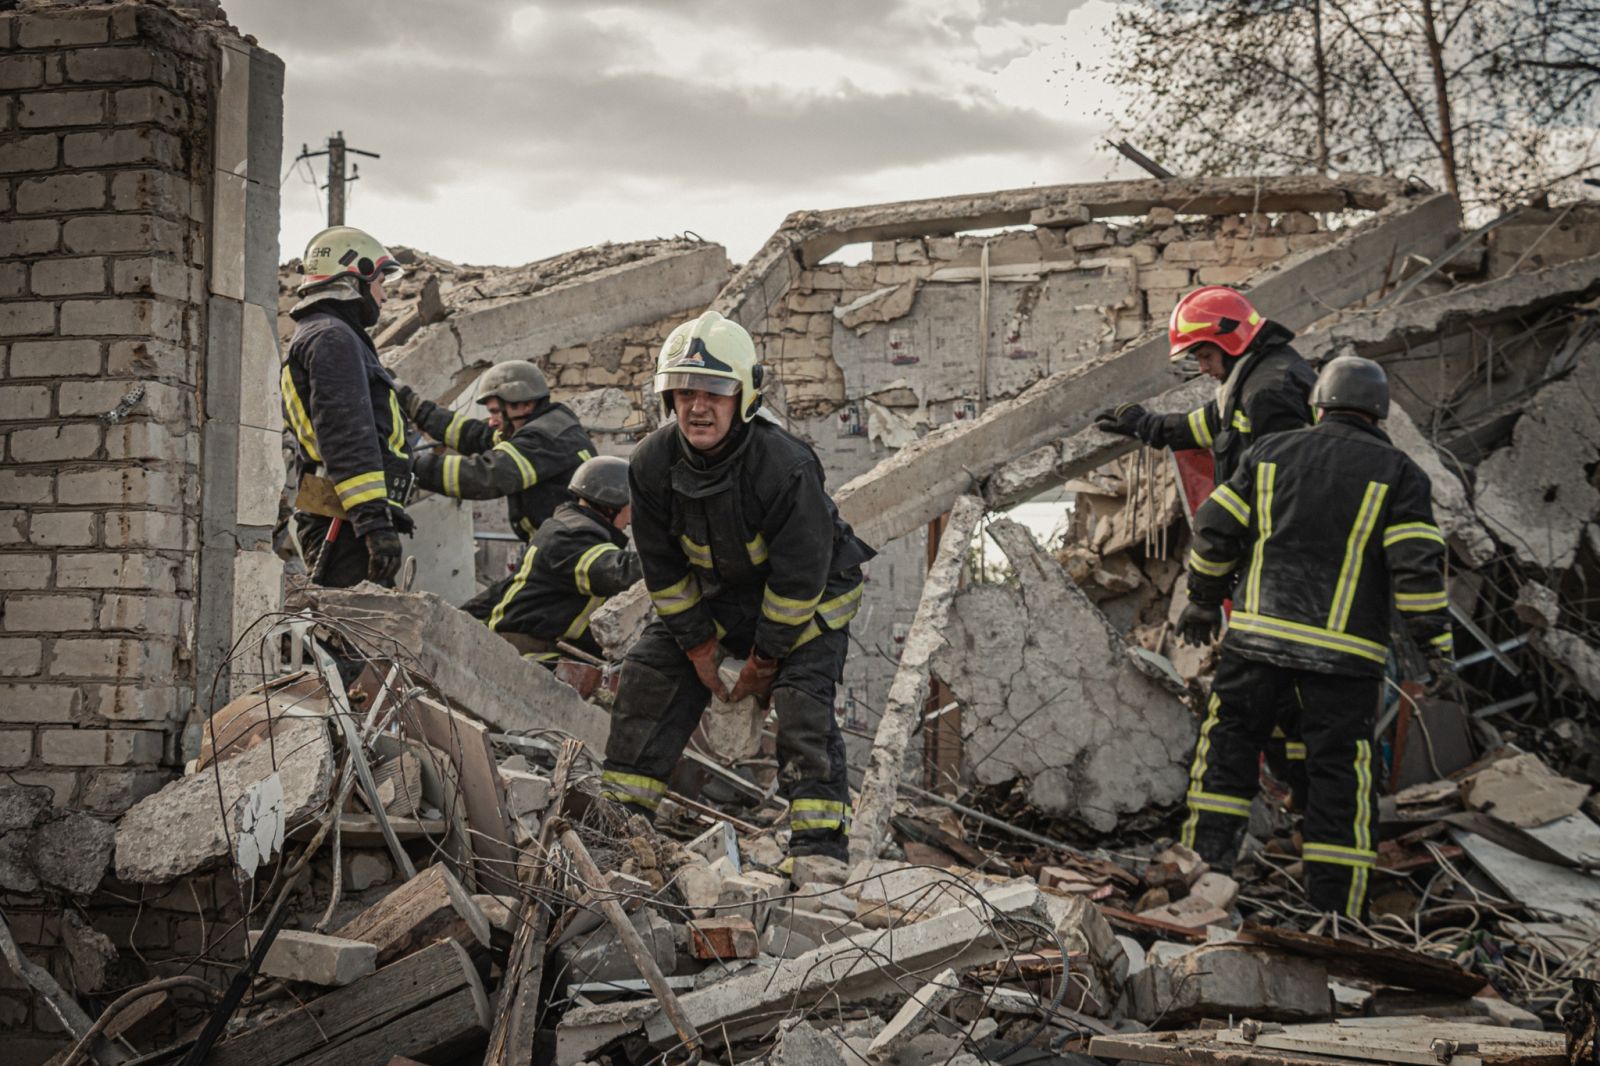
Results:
<point x="336" y="151"/>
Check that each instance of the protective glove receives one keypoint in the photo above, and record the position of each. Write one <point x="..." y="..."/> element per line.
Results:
<point x="1122" y="420"/>
<point x="755" y="679"/>
<point x="706" y="658"/>
<point x="383" y="555"/>
<point x="410" y="402"/>
<point x="1442" y="672"/>
<point x="1199" y="624"/>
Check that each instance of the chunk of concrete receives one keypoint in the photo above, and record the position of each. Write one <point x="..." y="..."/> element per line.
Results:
<point x="526" y="793"/>
<point x="22" y="805"/>
<point x="914" y="1016"/>
<point x="1186" y="859"/>
<point x="16" y="871"/>
<point x="720" y="841"/>
<point x="1573" y="656"/>
<point x="1219" y="890"/>
<point x="749" y="895"/>
<point x="1216" y="980"/>
<point x="598" y="956"/>
<point x="792" y="931"/>
<point x="1114" y="740"/>
<point x="90" y="951"/>
<point x="188" y="824"/>
<point x="1537" y="605"/>
<point x="801" y="1044"/>
<point x="71" y="852"/>
<point x="1191" y="912"/>
<point x="330" y="961"/>
<point x="700" y="886"/>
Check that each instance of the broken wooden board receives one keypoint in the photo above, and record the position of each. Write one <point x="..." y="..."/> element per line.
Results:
<point x="1410" y="1040"/>
<point x="1541" y="887"/>
<point x="430" y="907"/>
<point x="1347" y="958"/>
<point x="465" y="743"/>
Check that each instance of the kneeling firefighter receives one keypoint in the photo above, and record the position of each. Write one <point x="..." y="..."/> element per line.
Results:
<point x="744" y="551"/>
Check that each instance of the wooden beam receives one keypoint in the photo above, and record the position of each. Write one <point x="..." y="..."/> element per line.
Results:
<point x="431" y="906"/>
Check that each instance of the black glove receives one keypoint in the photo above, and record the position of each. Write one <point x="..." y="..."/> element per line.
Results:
<point x="1199" y="624"/>
<point x="410" y="402"/>
<point x="1442" y="673"/>
<point x="383" y="555"/>
<point x="1123" y="420"/>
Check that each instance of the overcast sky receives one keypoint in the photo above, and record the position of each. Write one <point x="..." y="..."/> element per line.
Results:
<point x="514" y="130"/>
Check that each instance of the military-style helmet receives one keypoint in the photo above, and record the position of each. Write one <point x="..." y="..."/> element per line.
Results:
<point x="514" y="381"/>
<point x="344" y="251"/>
<point x="1351" y="383"/>
<point x="1213" y="313"/>
<point x="602" y="481"/>
<point x="710" y="354"/>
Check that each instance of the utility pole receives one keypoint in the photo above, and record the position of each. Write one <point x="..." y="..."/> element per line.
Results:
<point x="337" y="180"/>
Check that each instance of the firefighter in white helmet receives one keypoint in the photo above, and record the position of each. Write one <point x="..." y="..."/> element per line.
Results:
<point x="743" y="552"/>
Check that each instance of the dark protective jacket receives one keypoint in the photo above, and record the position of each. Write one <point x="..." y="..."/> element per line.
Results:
<point x="341" y="404"/>
<point x="748" y="539"/>
<point x="530" y="468"/>
<point x="576" y="560"/>
<point x="1271" y="396"/>
<point x="1324" y="530"/>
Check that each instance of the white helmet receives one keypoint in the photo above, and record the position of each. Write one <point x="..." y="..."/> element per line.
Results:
<point x="710" y="354"/>
<point x="344" y="251"/>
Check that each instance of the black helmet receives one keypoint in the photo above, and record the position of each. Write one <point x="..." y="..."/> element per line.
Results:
<point x="602" y="481"/>
<point x="1352" y="383"/>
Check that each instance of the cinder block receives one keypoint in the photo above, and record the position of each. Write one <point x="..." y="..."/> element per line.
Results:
<point x="749" y="895"/>
<point x="31" y="704"/>
<point x="150" y="359"/>
<point x="134" y="703"/>
<point x="50" y="359"/>
<point x="149" y="104"/>
<point x="20" y="656"/>
<point x="25" y="571"/>
<point x="48" y="614"/>
<point x="116" y="570"/>
<point x="103" y="657"/>
<point x="61" y="193"/>
<point x="126" y="316"/>
<point x="1164" y="278"/>
<point x="100" y="747"/>
<point x="13" y="527"/>
<point x="157" y="615"/>
<point x="28" y="153"/>
<point x="296" y="955"/>
<point x="151" y="440"/>
<point x="123" y="147"/>
<point x="13" y="280"/>
<point x="62" y="529"/>
<point x="16" y="747"/>
<point x="23" y="403"/>
<point x="45" y="444"/>
<point x="122" y="233"/>
<point x="70" y="277"/>
<point x="1089" y="237"/>
<point x="1191" y="252"/>
<point x="57" y="30"/>
<point x="22" y="319"/>
<point x="127" y="63"/>
<point x="157" y="192"/>
<point x="723" y="938"/>
<point x="21" y="72"/>
<point x="54" y="110"/>
<point x="153" y="277"/>
<point x="1224" y="275"/>
<point x="127" y="486"/>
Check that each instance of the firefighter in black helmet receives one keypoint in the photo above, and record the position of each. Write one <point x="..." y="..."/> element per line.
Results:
<point x="743" y="552"/>
<point x="526" y="450"/>
<point x="341" y="405"/>
<point x="577" y="559"/>
<point x="1319" y="535"/>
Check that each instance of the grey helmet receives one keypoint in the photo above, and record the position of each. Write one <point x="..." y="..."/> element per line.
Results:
<point x="602" y="481"/>
<point x="1352" y="383"/>
<point x="514" y="381"/>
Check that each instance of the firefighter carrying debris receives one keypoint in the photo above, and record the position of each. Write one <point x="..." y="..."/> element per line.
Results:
<point x="743" y="550"/>
<point x="1315" y="535"/>
<point x="341" y="405"/>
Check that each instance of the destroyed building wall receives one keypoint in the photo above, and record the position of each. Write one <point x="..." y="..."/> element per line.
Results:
<point x="139" y="164"/>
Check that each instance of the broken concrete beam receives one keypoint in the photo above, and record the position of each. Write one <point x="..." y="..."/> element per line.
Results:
<point x="431" y="906"/>
<point x="480" y="674"/>
<point x="331" y="961"/>
<point x="792" y="931"/>
<point x="1218" y="980"/>
<point x="919" y="482"/>
<point x="916" y="1015"/>
<point x="1573" y="656"/>
<point x="723" y="938"/>
<point x="881" y="781"/>
<point x="183" y="827"/>
<point x="1116" y="739"/>
<point x="444" y="359"/>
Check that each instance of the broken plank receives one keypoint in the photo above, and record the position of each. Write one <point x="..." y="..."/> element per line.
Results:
<point x="431" y="906"/>
<point x="1138" y="923"/>
<point x="1191" y="1047"/>
<point x="1348" y="958"/>
<point x="1412" y="1040"/>
<point x="465" y="743"/>
<point x="909" y="690"/>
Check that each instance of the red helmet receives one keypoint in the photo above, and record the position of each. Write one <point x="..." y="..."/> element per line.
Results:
<point x="1217" y="314"/>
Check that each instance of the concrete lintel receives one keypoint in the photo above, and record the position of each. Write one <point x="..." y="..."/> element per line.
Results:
<point x="918" y="483"/>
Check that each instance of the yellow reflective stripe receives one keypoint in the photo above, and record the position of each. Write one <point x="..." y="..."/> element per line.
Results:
<point x="541" y="656"/>
<point x="1445" y="642"/>
<point x="1355" y="550"/>
<point x="697" y="554"/>
<point x="397" y="427"/>
<point x="530" y="476"/>
<point x="584" y="455"/>
<point x="527" y="526"/>
<point x="1199" y="428"/>
<point x="1197" y="767"/>
<point x="1338" y="853"/>
<point x="299" y="421"/>
<point x="360" y="489"/>
<point x="757" y="549"/>
<point x="580" y="573"/>
<point x="1201" y="565"/>
<point x="786" y="611"/>
<point x="580" y="623"/>
<point x="1231" y="502"/>
<point x="1241" y="421"/>
<point x="676" y="598"/>
<point x="517" y="583"/>
<point x="632" y="788"/>
<point x="1266" y="476"/>
<point x="811" y="632"/>
<point x="1412" y="531"/>
<point x="452" y="475"/>
<point x="818" y="814"/>
<point x="1362" y="827"/>
<point x="1219" y="803"/>
<point x="837" y="612"/>
<point x="1294" y="749"/>
<point x="1300" y="633"/>
<point x="1422" y="601"/>
<point x="452" y="432"/>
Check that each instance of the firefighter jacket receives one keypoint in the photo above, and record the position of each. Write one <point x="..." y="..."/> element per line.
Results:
<point x="341" y="404"/>
<point x="1270" y="396"/>
<point x="575" y="561"/>
<point x="748" y="536"/>
<point x="1324" y="529"/>
<point x="530" y="468"/>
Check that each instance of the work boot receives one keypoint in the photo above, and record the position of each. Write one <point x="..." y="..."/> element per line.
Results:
<point x="1217" y="842"/>
<point x="831" y="843"/>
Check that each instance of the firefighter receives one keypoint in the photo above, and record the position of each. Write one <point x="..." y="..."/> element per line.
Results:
<point x="341" y="405"/>
<point x="577" y="559"/>
<point x="1317" y="535"/>
<point x="526" y="450"/>
<point x="743" y="552"/>
<point x="1264" y="389"/>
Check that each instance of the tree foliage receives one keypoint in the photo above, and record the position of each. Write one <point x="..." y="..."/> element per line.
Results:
<point x="1495" y="100"/>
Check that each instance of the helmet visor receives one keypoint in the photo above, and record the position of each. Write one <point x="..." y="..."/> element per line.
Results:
<point x="714" y="384"/>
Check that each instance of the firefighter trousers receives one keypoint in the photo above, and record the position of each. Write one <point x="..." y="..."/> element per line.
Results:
<point x="1336" y="712"/>
<point x="346" y="565"/>
<point x="659" y="703"/>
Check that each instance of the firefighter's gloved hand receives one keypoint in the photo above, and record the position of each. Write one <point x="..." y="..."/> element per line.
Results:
<point x="1123" y="420"/>
<point x="1442" y="672"/>
<point x="383" y="555"/>
<point x="410" y="402"/>
<point x="706" y="658"/>
<point x="755" y="679"/>
<point x="1199" y="625"/>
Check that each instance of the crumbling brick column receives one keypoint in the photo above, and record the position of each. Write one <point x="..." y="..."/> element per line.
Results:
<point x="139" y="155"/>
